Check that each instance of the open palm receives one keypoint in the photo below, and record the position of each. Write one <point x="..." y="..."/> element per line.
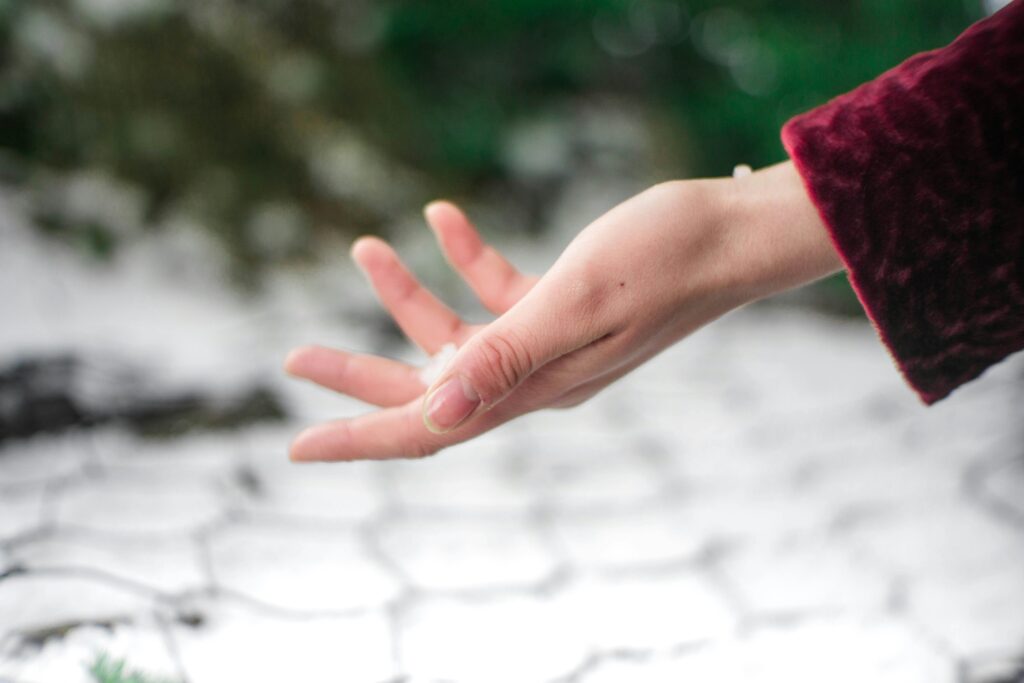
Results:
<point x="638" y="279"/>
<point x="397" y="430"/>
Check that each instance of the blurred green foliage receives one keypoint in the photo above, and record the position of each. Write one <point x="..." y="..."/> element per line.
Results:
<point x="273" y="121"/>
<point x="106" y="669"/>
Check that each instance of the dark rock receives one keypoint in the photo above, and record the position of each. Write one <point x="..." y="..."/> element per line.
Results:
<point x="56" y="393"/>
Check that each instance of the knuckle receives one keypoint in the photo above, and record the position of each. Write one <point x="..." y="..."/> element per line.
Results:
<point x="413" y="439"/>
<point x="587" y="293"/>
<point x="506" y="360"/>
<point x="341" y="366"/>
<point x="420" y="446"/>
<point x="422" y="450"/>
<point x="455" y="327"/>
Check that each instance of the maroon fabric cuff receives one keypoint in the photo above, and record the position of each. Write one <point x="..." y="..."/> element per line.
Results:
<point x="919" y="177"/>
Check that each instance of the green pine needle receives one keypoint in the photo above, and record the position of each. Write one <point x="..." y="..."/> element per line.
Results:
<point x="108" y="670"/>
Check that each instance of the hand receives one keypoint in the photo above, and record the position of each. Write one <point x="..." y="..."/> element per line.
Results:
<point x="641" y="277"/>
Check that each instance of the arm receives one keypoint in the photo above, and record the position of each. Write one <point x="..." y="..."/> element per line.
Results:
<point x="914" y="182"/>
<point x="640" y="278"/>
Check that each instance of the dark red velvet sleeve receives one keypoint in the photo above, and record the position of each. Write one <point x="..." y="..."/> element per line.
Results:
<point x="919" y="177"/>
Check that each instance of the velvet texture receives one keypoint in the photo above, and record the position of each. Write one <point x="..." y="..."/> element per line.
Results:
<point x="919" y="177"/>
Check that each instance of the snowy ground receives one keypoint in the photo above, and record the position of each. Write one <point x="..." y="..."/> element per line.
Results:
<point x="767" y="502"/>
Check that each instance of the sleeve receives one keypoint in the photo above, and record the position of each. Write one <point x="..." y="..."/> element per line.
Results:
<point x="919" y="178"/>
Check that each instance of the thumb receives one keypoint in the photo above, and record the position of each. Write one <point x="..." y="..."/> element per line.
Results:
<point x="498" y="359"/>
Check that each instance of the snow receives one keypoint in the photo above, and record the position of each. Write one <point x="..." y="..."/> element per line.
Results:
<point x="438" y="364"/>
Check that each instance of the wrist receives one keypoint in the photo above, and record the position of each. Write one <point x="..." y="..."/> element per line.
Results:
<point x="778" y="238"/>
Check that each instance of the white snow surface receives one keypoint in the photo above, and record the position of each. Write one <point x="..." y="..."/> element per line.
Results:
<point x="766" y="501"/>
<point x="164" y="307"/>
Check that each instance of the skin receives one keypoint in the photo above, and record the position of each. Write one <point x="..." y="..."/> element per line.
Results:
<point x="640" y="278"/>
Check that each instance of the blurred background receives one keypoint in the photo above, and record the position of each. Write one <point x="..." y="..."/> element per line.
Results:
<point x="179" y="184"/>
<point x="278" y="125"/>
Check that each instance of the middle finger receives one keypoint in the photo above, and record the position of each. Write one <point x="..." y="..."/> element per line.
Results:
<point x="423" y="318"/>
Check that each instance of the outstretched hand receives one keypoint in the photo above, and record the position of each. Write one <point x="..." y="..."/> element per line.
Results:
<point x="641" y="277"/>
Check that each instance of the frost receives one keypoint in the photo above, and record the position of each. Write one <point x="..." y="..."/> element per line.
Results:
<point x="437" y="365"/>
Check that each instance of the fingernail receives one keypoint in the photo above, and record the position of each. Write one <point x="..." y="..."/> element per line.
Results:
<point x="449" y="405"/>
